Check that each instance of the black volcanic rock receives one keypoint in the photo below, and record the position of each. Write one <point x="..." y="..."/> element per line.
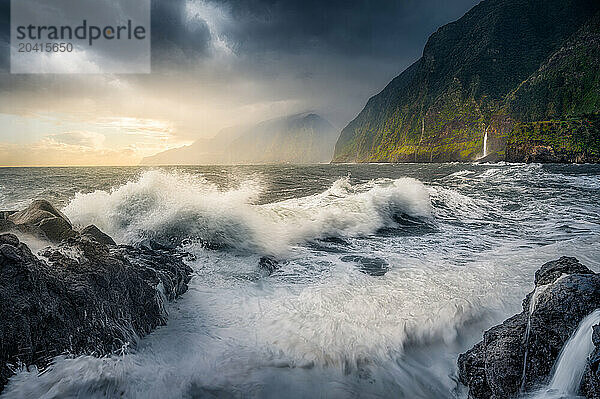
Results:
<point x="36" y="212"/>
<point x="5" y="214"/>
<point x="42" y="217"/>
<point x="96" y="234"/>
<point x="591" y="378"/>
<point x="268" y="264"/>
<point x="80" y="297"/>
<point x="550" y="271"/>
<point x="493" y="368"/>
<point x="9" y="239"/>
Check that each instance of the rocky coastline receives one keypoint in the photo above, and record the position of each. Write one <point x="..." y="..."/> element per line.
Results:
<point x="80" y="294"/>
<point x="519" y="356"/>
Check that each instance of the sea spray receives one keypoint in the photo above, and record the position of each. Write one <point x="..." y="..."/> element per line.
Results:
<point x="175" y="207"/>
<point x="238" y="333"/>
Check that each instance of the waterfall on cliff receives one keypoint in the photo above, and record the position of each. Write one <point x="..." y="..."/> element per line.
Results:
<point x="485" y="142"/>
<point x="572" y="360"/>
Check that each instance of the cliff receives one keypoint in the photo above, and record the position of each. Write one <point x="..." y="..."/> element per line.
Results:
<point x="521" y="357"/>
<point x="575" y="140"/>
<point x="502" y="63"/>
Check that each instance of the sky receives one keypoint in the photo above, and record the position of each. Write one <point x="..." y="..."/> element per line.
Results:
<point x="215" y="64"/>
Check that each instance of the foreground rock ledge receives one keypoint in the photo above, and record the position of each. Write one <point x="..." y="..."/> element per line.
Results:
<point x="84" y="295"/>
<point x="567" y="293"/>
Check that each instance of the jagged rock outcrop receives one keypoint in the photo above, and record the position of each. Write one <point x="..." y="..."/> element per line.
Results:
<point x="40" y="219"/>
<point x="96" y="234"/>
<point x="84" y="295"/>
<point x="566" y="293"/>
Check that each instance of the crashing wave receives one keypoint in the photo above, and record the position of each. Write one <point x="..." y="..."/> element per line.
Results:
<point x="173" y="207"/>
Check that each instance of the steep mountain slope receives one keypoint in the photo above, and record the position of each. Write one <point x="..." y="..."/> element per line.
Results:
<point x="441" y="107"/>
<point x="567" y="84"/>
<point x="201" y="152"/>
<point x="302" y="138"/>
<point x="556" y="110"/>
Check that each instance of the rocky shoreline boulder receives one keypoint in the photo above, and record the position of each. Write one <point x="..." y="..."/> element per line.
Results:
<point x="84" y="295"/>
<point x="519" y="354"/>
<point x="42" y="218"/>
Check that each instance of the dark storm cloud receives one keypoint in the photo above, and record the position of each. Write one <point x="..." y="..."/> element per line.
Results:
<point x="174" y="35"/>
<point x="223" y="60"/>
<point x="384" y="28"/>
<point x="393" y="30"/>
<point x="4" y="35"/>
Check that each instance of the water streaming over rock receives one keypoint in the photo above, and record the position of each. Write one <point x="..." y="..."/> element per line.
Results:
<point x="532" y="304"/>
<point x="572" y="360"/>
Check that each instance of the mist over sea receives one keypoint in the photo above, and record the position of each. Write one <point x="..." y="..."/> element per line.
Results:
<point x="385" y="272"/>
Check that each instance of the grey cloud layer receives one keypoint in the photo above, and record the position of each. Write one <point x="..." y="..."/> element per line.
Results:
<point x="384" y="29"/>
<point x="326" y="56"/>
<point x="365" y="28"/>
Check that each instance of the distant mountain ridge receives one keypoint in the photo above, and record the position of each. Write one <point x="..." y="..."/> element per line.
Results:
<point x="499" y="65"/>
<point x="301" y="138"/>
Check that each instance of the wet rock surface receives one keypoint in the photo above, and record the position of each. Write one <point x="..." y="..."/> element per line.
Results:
<point x="269" y="264"/>
<point x="43" y="219"/>
<point x="84" y="295"/>
<point x="95" y="234"/>
<point x="493" y="368"/>
<point x="591" y="378"/>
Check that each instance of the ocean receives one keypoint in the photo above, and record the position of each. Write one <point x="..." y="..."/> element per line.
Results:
<point x="385" y="273"/>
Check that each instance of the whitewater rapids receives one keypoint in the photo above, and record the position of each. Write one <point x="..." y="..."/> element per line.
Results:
<point x="461" y="245"/>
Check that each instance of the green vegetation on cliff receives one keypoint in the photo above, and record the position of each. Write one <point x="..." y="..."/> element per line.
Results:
<point x="567" y="84"/>
<point x="474" y="73"/>
<point x="566" y="140"/>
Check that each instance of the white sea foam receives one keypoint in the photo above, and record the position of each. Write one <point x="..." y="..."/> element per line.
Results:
<point x="174" y="205"/>
<point x="318" y="326"/>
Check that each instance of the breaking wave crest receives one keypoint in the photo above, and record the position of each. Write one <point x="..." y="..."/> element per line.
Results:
<point x="173" y="207"/>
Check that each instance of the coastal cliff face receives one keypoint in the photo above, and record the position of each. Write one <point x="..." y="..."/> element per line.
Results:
<point x="501" y="64"/>
<point x="574" y="140"/>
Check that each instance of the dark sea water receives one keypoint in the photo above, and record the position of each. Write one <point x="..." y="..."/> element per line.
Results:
<point x="387" y="272"/>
